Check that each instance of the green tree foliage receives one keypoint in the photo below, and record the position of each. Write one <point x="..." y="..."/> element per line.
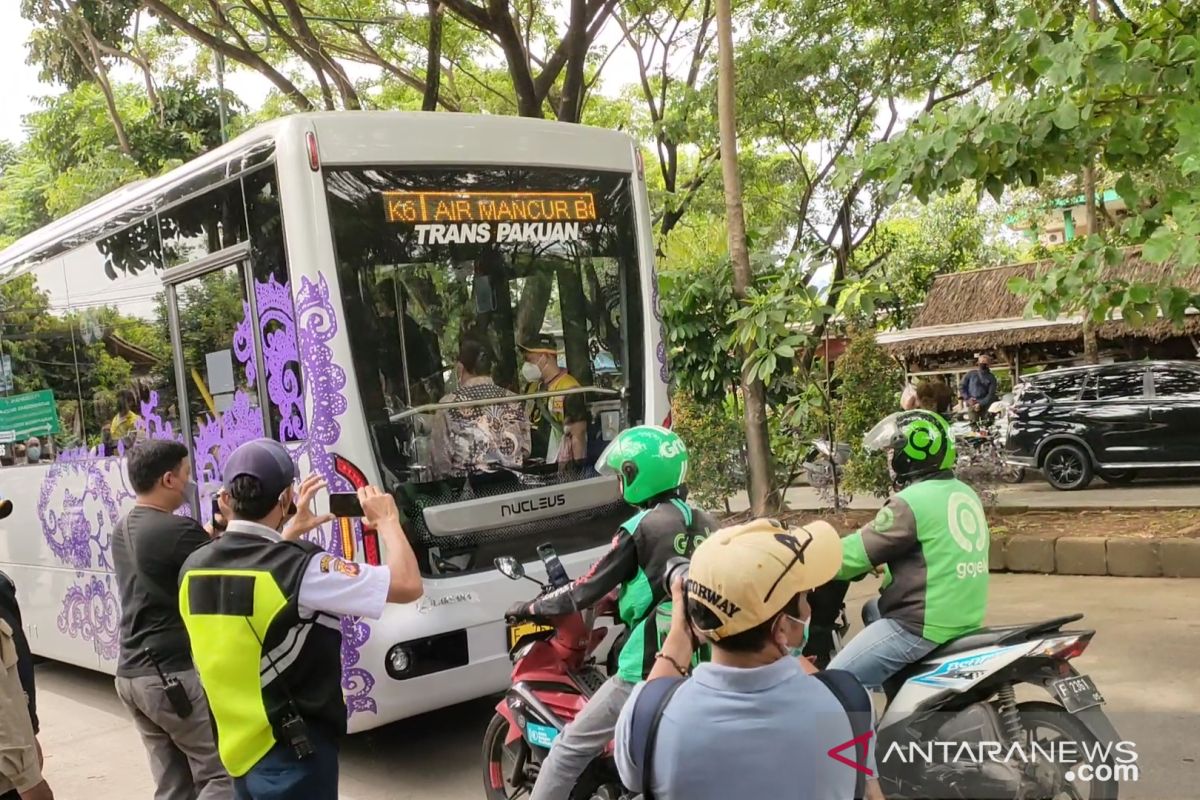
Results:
<point x="72" y="34"/>
<point x="712" y="431"/>
<point x="66" y="352"/>
<point x="868" y="389"/>
<point x="915" y="243"/>
<point x="72" y="156"/>
<point x="1069" y="92"/>
<point x="696" y="296"/>
<point x="442" y="54"/>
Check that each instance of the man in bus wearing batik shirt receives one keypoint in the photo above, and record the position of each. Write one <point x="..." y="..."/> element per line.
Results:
<point x="479" y="438"/>
<point x="566" y="414"/>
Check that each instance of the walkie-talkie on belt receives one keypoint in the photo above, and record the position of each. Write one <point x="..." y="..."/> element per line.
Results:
<point x="292" y="727"/>
<point x="175" y="691"/>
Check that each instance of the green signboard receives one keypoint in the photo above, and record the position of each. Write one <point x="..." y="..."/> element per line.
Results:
<point x="25" y="415"/>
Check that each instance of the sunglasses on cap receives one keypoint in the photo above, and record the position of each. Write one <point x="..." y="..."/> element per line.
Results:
<point x="797" y="547"/>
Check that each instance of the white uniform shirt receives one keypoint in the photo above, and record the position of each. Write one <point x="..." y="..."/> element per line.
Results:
<point x="331" y="585"/>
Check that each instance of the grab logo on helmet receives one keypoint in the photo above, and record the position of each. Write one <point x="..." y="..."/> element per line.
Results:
<point x="670" y="448"/>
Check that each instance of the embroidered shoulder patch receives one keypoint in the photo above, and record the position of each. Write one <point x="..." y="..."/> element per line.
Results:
<point x="335" y="564"/>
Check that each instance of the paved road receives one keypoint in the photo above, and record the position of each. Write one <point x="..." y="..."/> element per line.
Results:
<point x="1036" y="493"/>
<point x="1144" y="659"/>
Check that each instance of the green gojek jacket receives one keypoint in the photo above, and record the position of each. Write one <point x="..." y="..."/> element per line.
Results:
<point x="933" y="539"/>
<point x="635" y="564"/>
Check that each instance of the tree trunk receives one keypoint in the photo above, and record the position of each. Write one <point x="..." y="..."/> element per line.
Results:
<point x="570" y="104"/>
<point x="574" y="321"/>
<point x="110" y="101"/>
<point x="1091" y="348"/>
<point x="433" y="58"/>
<point x="758" y="448"/>
<point x="1089" y="172"/>
<point x="535" y="297"/>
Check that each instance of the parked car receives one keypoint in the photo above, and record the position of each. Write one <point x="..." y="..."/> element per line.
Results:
<point x="1111" y="420"/>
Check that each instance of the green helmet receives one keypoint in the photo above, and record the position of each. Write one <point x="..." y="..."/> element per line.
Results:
<point x="648" y="459"/>
<point x="920" y="443"/>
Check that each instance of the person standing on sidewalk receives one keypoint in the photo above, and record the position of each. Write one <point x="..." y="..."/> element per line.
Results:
<point x="263" y="609"/>
<point x="20" y="755"/>
<point x="155" y="677"/>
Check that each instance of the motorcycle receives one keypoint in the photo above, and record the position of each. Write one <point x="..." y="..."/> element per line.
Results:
<point x="980" y="452"/>
<point x="952" y="726"/>
<point x="555" y="673"/>
<point x="822" y="463"/>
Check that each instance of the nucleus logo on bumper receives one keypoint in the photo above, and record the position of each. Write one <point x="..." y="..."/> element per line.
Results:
<point x="532" y="504"/>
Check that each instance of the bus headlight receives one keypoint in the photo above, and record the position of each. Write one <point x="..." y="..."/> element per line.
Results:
<point x="399" y="661"/>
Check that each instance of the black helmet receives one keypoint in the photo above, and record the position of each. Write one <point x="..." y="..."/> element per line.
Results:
<point x="920" y="443"/>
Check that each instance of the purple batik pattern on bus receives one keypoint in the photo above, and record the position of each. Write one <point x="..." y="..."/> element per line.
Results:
<point x="281" y="360"/>
<point x="91" y="612"/>
<point x="281" y="357"/>
<point x="79" y="505"/>
<point x="326" y="383"/>
<point x="660" y="352"/>
<point x="152" y="425"/>
<point x="216" y="438"/>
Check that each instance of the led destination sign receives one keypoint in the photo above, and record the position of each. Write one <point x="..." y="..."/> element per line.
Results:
<point x="482" y="217"/>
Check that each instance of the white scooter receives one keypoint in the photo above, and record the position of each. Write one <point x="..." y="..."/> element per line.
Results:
<point x="953" y="728"/>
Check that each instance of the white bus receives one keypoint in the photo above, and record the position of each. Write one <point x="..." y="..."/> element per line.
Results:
<point x="315" y="278"/>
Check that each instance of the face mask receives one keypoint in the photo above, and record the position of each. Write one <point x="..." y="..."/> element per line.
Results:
<point x="33" y="453"/>
<point x="985" y="368"/>
<point x="798" y="650"/>
<point x="530" y="372"/>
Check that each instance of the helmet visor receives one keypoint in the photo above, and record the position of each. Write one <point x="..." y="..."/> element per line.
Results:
<point x="609" y="460"/>
<point x="880" y="437"/>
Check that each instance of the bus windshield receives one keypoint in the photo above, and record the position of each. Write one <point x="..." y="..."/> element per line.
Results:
<point x="494" y="321"/>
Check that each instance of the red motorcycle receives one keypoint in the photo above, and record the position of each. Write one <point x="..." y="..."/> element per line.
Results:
<point x="554" y="674"/>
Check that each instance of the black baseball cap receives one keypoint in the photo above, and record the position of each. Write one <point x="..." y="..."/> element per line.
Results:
<point x="264" y="459"/>
<point x="540" y="343"/>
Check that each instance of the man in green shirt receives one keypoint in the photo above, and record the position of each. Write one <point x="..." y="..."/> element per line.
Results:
<point x="932" y="538"/>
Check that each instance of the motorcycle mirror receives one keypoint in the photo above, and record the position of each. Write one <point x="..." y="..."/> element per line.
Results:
<point x="510" y="568"/>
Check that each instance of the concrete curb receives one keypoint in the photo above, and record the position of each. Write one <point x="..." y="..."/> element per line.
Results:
<point x="1171" y="557"/>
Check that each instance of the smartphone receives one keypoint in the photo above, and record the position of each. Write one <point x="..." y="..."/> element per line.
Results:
<point x="216" y="511"/>
<point x="345" y="504"/>
<point x="554" y="568"/>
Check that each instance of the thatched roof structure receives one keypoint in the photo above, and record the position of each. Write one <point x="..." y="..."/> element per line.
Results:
<point x="975" y="311"/>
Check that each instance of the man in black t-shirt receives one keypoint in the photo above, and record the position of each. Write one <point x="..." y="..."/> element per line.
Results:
<point x="149" y="546"/>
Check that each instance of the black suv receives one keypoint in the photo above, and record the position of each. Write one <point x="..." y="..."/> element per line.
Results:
<point x="1108" y="420"/>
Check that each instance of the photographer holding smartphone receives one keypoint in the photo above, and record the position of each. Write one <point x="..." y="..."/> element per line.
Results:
<point x="263" y="609"/>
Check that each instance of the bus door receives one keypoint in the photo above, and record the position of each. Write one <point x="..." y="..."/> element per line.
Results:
<point x="218" y="358"/>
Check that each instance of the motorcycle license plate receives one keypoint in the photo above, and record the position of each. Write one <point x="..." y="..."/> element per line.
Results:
<point x="522" y="629"/>
<point x="1077" y="693"/>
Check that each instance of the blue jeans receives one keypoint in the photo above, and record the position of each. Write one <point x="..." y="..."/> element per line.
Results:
<point x="279" y="775"/>
<point x="882" y="649"/>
